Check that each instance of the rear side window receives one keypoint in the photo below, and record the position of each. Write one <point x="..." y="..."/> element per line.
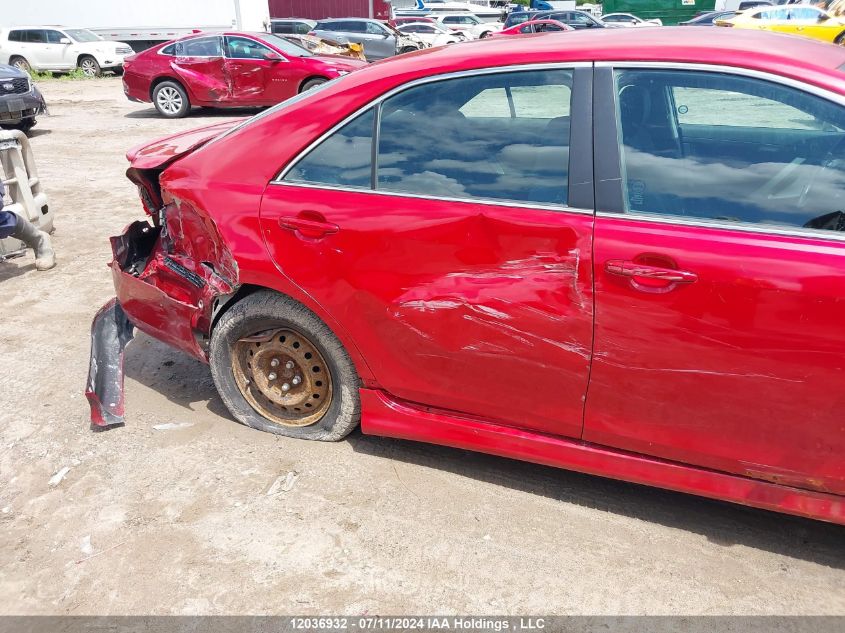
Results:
<point x="170" y="49"/>
<point x="731" y="148"/>
<point x="438" y="140"/>
<point x="498" y="136"/>
<point x="200" y="47"/>
<point x="38" y="36"/>
<point x="344" y="158"/>
<point x="282" y="27"/>
<point x="17" y="36"/>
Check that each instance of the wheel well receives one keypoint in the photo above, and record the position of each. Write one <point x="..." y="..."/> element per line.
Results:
<point x="224" y="305"/>
<point x="307" y="79"/>
<point x="840" y="37"/>
<point x="162" y="79"/>
<point x="83" y="56"/>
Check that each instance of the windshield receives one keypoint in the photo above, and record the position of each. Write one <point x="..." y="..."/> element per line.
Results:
<point x="286" y="46"/>
<point x="82" y="35"/>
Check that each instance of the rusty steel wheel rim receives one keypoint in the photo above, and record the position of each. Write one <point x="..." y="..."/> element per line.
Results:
<point x="283" y="376"/>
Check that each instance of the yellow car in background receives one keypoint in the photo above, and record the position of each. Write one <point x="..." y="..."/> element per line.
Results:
<point x="797" y="19"/>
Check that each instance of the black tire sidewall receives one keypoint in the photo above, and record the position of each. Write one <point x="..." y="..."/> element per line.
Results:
<point x="312" y="83"/>
<point x="186" y="102"/>
<point x="265" y="311"/>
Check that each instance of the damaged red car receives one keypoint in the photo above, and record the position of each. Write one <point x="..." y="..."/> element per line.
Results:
<point x="622" y="256"/>
<point x="226" y="70"/>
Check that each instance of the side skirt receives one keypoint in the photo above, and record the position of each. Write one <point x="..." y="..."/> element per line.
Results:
<point x="384" y="416"/>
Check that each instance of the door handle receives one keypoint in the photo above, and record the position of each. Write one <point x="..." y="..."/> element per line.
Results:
<point x="626" y="268"/>
<point x="308" y="227"/>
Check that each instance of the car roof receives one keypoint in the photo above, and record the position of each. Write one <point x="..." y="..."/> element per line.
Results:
<point x="791" y="56"/>
<point x="348" y="20"/>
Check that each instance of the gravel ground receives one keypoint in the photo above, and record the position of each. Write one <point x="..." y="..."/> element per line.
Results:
<point x="179" y="521"/>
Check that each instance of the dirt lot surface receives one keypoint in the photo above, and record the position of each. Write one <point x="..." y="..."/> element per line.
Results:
<point x="179" y="520"/>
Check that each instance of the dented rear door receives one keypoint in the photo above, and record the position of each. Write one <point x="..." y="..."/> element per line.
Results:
<point x="199" y="64"/>
<point x="458" y="301"/>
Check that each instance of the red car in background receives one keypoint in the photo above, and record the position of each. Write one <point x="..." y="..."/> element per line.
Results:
<point x="225" y="70"/>
<point x="623" y="256"/>
<point x="534" y="26"/>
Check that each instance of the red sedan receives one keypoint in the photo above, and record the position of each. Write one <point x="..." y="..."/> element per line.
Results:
<point x="226" y="70"/>
<point x="623" y="256"/>
<point x="535" y="26"/>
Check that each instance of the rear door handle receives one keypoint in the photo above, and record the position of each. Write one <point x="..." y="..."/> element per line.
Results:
<point x="308" y="227"/>
<point x="627" y="268"/>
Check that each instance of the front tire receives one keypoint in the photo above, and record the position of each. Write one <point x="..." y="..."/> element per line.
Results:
<point x="90" y="66"/>
<point x="840" y="39"/>
<point x="25" y="126"/>
<point x="279" y="368"/>
<point x="312" y="83"/>
<point x="171" y="100"/>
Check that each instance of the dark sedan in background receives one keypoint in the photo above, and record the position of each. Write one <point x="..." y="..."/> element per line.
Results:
<point x="20" y="100"/>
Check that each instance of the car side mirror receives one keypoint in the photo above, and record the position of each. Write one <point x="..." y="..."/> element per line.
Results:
<point x="272" y="56"/>
<point x="64" y="40"/>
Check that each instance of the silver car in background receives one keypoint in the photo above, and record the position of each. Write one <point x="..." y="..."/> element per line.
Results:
<point x="379" y="40"/>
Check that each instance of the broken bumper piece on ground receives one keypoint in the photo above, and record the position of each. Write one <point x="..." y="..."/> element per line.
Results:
<point x="110" y="332"/>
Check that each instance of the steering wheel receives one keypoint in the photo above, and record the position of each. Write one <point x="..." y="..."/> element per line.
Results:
<point x="832" y="161"/>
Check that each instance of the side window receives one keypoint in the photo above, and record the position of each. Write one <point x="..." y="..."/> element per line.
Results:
<point x="245" y="48"/>
<point x="457" y="150"/>
<point x="199" y="47"/>
<point x="170" y="49"/>
<point x="731" y="148"/>
<point x="375" y="29"/>
<point x="302" y="28"/>
<point x="528" y="28"/>
<point x="53" y="37"/>
<point x="16" y="36"/>
<point x="34" y="36"/>
<point x="344" y="158"/>
<point x="807" y="15"/>
<point x="282" y="27"/>
<point x="354" y="27"/>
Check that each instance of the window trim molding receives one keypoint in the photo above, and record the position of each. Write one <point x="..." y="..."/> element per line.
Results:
<point x="611" y="197"/>
<point x="377" y="103"/>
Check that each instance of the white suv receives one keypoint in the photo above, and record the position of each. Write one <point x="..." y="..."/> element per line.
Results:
<point x="50" y="48"/>
<point x="473" y="27"/>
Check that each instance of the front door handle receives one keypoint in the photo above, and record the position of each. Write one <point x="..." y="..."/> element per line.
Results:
<point x="308" y="226"/>
<point x="627" y="268"/>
